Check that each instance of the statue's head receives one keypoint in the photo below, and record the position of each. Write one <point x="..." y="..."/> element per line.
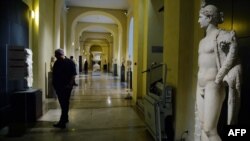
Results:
<point x="213" y="13"/>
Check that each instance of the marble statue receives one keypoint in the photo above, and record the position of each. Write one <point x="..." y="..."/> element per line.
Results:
<point x="218" y="64"/>
<point x="52" y="61"/>
<point x="123" y="62"/>
<point x="28" y="61"/>
<point x="96" y="67"/>
<point x="114" y="61"/>
<point x="129" y="63"/>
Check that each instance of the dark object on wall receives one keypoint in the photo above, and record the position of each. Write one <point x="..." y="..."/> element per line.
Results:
<point x="161" y="9"/>
<point x="122" y="73"/>
<point x="105" y="68"/>
<point x="157" y="49"/>
<point x="26" y="108"/>
<point x="86" y="67"/>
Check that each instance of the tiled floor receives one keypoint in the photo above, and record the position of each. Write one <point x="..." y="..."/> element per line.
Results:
<point x="99" y="112"/>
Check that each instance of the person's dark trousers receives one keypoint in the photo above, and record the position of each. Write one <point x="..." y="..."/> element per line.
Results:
<point x="63" y="95"/>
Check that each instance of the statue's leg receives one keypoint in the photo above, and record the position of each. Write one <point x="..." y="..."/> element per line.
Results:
<point x="199" y="112"/>
<point x="214" y="97"/>
<point x="232" y="107"/>
<point x="200" y="102"/>
<point x="197" y="132"/>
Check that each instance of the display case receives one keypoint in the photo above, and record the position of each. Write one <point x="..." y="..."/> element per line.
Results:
<point x="158" y="104"/>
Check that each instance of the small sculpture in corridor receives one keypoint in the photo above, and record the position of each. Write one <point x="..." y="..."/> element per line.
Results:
<point x="96" y="67"/>
<point x="52" y="61"/>
<point x="123" y="62"/>
<point x="114" y="61"/>
<point x="29" y="76"/>
<point x="129" y="63"/>
<point x="218" y="64"/>
<point x="85" y="66"/>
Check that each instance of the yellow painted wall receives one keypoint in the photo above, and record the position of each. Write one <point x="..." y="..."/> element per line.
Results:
<point x="46" y="40"/>
<point x="43" y="37"/>
<point x="181" y="38"/>
<point x="153" y="38"/>
<point x="33" y="38"/>
<point x="139" y="50"/>
<point x="155" y="30"/>
<point x="148" y="32"/>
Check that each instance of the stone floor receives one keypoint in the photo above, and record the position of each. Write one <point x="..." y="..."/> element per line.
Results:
<point x="98" y="112"/>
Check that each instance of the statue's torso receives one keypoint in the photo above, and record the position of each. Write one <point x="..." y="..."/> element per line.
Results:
<point x="207" y="59"/>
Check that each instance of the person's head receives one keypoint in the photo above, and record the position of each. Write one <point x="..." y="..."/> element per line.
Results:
<point x="71" y="57"/>
<point x="210" y="14"/>
<point x="59" y="53"/>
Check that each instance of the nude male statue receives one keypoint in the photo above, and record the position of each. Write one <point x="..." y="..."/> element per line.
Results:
<point x="217" y="64"/>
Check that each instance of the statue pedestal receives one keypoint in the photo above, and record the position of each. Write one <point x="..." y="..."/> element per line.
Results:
<point x="26" y="108"/>
<point x="105" y="68"/>
<point x="115" y="69"/>
<point x="129" y="79"/>
<point x="51" y="91"/>
<point x="96" y="69"/>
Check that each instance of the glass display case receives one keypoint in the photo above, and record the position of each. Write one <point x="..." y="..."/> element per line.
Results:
<point x="158" y="109"/>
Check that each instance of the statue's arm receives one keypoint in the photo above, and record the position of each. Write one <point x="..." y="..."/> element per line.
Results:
<point x="230" y="58"/>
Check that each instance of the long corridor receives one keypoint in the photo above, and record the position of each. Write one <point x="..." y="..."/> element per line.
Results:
<point x="98" y="112"/>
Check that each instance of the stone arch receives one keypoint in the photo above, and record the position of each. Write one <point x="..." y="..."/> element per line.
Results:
<point x="91" y="26"/>
<point x="95" y="47"/>
<point x="109" y="54"/>
<point x="94" y="13"/>
<point x="117" y="44"/>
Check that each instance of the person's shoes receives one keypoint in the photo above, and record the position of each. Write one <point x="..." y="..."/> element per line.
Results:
<point x="60" y="125"/>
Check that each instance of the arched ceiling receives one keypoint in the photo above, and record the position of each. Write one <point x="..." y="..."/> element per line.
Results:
<point x="96" y="29"/>
<point x="97" y="19"/>
<point x="107" y="4"/>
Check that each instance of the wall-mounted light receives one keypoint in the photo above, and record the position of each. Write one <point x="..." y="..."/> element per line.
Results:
<point x="125" y="13"/>
<point x="32" y="14"/>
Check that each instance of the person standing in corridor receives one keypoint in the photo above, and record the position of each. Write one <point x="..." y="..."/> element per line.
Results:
<point x="64" y="72"/>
